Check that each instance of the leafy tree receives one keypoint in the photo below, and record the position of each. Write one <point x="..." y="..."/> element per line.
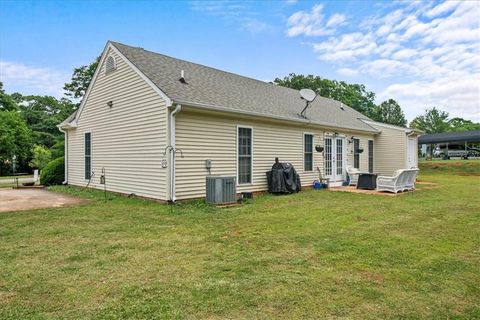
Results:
<point x="6" y="102"/>
<point x="58" y="149"/>
<point x="43" y="114"/>
<point x="80" y="80"/>
<point x="15" y="139"/>
<point x="390" y="112"/>
<point x="460" y="124"/>
<point x="433" y="121"/>
<point x="41" y="157"/>
<point x="353" y="95"/>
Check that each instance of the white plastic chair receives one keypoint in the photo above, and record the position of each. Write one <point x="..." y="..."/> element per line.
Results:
<point x="412" y="177"/>
<point x="393" y="183"/>
<point x="353" y="174"/>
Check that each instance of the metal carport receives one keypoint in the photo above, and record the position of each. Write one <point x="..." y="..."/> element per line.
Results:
<point x="461" y="137"/>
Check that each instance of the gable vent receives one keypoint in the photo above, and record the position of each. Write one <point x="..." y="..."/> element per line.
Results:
<point x="110" y="64"/>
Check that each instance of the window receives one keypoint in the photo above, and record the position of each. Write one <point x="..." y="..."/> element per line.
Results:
<point x="88" y="155"/>
<point x="370" y="156"/>
<point x="307" y="152"/>
<point x="110" y="64"/>
<point x="356" y="155"/>
<point x="244" y="150"/>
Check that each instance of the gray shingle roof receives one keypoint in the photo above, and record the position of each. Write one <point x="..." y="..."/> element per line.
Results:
<point x="209" y="86"/>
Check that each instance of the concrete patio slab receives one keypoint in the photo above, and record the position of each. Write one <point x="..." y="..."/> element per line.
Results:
<point x="354" y="189"/>
<point x="27" y="199"/>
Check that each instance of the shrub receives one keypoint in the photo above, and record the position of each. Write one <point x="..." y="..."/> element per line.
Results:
<point x="53" y="173"/>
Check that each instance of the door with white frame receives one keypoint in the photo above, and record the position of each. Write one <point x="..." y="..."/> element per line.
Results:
<point x="412" y="153"/>
<point x="335" y="159"/>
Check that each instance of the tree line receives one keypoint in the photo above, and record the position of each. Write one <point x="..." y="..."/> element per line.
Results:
<point x="359" y="98"/>
<point x="28" y="123"/>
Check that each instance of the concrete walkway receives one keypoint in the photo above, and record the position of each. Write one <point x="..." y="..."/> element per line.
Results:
<point x="27" y="199"/>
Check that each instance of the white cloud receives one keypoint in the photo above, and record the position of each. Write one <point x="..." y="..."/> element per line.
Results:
<point x="336" y="20"/>
<point x="255" y="26"/>
<point x="442" y="8"/>
<point x="404" y="54"/>
<point x="347" y="72"/>
<point x="347" y="47"/>
<point x="313" y="23"/>
<point x="31" y="79"/>
<point x="427" y="54"/>
<point x="239" y="13"/>
<point x="458" y="96"/>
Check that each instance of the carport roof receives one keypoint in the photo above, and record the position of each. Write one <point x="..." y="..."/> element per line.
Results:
<point x="462" y="136"/>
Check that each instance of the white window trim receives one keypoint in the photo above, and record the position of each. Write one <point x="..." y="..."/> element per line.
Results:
<point x="313" y="153"/>
<point x="91" y="154"/>
<point x="251" y="157"/>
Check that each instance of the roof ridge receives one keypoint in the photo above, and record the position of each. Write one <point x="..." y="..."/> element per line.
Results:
<point x="212" y="86"/>
<point x="212" y="68"/>
<point x="236" y="75"/>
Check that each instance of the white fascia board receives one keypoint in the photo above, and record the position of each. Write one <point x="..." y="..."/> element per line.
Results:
<point x="110" y="46"/>
<point x="269" y="116"/>
<point x="391" y="126"/>
<point x="168" y="101"/>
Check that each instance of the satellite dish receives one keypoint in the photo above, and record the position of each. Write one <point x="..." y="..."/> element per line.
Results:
<point x="308" y="94"/>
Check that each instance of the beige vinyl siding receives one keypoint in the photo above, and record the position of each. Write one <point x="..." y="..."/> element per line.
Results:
<point x="363" y="145"/>
<point x="389" y="151"/>
<point x="128" y="139"/>
<point x="207" y="136"/>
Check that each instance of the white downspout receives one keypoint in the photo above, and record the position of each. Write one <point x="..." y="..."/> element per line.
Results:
<point x="409" y="134"/>
<point x="174" y="112"/>
<point x="65" y="132"/>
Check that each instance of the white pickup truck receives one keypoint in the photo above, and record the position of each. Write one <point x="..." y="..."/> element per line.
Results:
<point x="455" y="151"/>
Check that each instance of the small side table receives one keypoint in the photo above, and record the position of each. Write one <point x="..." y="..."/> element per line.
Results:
<point x="367" y="181"/>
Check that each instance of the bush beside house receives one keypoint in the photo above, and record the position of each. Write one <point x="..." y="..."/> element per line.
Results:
<point x="53" y="173"/>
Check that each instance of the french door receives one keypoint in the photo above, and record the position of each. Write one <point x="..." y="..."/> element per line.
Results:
<point x="335" y="159"/>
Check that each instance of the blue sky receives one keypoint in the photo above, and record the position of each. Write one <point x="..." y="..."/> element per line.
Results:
<point x="422" y="54"/>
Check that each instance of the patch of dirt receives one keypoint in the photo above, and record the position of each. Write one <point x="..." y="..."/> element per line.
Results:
<point x="447" y="164"/>
<point x="372" y="277"/>
<point x="472" y="174"/>
<point x="426" y="183"/>
<point x="27" y="199"/>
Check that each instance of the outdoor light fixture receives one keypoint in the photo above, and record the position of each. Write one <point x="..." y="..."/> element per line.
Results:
<point x="319" y="148"/>
<point x="110" y="103"/>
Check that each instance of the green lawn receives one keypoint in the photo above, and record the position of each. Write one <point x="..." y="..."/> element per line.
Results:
<point x="316" y="254"/>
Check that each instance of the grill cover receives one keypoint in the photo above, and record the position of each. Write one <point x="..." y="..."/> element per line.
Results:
<point x="283" y="178"/>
